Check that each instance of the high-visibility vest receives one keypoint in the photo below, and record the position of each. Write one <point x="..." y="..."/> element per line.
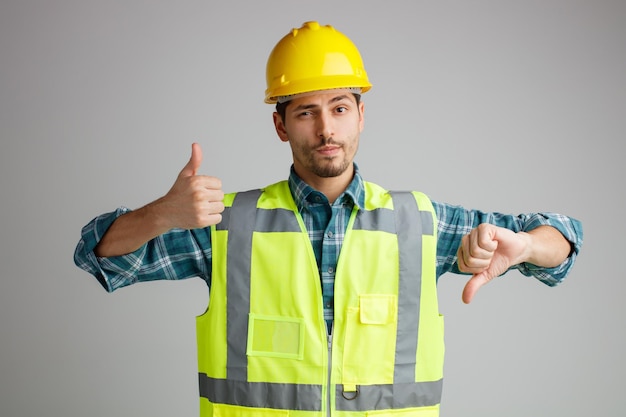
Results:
<point x="263" y="345"/>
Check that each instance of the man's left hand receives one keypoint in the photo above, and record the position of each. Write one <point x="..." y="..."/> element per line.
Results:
<point x="487" y="252"/>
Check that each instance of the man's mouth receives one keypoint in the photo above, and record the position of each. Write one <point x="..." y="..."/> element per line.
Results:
<point x="329" y="150"/>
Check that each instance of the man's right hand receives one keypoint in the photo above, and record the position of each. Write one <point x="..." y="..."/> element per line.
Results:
<point x="194" y="201"/>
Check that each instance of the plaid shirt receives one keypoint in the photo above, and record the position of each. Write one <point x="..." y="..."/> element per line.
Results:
<point x="181" y="254"/>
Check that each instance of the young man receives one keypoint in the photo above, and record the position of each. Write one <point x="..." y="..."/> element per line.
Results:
<point x="323" y="287"/>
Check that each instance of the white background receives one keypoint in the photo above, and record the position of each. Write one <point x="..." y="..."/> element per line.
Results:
<point x="510" y="106"/>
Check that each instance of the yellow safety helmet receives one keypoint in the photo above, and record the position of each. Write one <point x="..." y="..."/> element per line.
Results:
<point x="313" y="58"/>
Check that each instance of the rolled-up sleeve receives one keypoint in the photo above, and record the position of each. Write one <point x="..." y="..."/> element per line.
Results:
<point x="454" y="222"/>
<point x="571" y="229"/>
<point x="175" y="255"/>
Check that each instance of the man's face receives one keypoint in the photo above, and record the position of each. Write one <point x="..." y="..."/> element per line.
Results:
<point x="323" y="130"/>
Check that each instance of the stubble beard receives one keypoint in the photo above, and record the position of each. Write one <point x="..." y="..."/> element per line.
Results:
<point x="328" y="166"/>
<point x="329" y="169"/>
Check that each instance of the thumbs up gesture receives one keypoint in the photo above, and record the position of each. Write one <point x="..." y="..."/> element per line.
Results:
<point x="194" y="201"/>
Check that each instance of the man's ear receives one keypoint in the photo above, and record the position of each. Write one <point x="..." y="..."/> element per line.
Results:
<point x="279" y="125"/>
<point x="361" y="116"/>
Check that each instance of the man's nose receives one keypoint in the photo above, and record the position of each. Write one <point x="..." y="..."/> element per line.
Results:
<point x="325" y="128"/>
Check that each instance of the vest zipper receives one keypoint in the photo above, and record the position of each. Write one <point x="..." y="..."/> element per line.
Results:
<point x="330" y="363"/>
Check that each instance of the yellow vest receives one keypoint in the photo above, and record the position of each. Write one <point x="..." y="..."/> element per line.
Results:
<point x="263" y="347"/>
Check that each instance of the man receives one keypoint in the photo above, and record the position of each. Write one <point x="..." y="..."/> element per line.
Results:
<point x="323" y="287"/>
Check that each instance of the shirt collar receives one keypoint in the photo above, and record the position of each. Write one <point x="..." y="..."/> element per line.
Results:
<point x="303" y="194"/>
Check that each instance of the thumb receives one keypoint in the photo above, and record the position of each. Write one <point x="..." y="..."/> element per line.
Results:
<point x="474" y="284"/>
<point x="194" y="163"/>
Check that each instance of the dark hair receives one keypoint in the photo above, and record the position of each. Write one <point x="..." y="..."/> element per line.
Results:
<point x="281" y="108"/>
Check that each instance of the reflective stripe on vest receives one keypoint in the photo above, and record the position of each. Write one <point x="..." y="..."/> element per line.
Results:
<point x="241" y="220"/>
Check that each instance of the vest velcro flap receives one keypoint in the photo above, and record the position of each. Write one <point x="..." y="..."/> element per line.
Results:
<point x="377" y="308"/>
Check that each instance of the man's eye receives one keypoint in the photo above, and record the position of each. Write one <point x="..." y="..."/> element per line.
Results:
<point x="341" y="109"/>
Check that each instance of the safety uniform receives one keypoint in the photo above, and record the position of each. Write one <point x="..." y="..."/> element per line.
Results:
<point x="263" y="345"/>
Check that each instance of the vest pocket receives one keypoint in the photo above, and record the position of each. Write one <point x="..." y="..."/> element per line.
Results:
<point x="225" y="410"/>
<point x="370" y="340"/>
<point x="278" y="337"/>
